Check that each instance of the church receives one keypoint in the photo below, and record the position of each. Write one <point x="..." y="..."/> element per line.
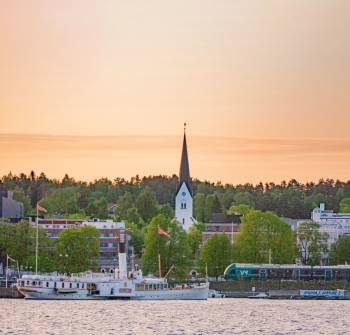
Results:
<point x="184" y="192"/>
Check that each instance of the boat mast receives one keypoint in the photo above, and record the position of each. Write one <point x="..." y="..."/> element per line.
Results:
<point x="37" y="240"/>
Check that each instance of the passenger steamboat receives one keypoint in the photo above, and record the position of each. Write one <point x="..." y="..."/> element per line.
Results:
<point x="102" y="286"/>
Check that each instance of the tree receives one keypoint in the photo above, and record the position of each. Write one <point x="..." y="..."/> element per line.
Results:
<point x="146" y="204"/>
<point x="345" y="205"/>
<point x="124" y="203"/>
<point x="137" y="238"/>
<point x="311" y="242"/>
<point x="166" y="210"/>
<point x="77" y="249"/>
<point x="173" y="251"/>
<point x="194" y="236"/>
<point x="18" y="241"/>
<point x="340" y="251"/>
<point x="20" y="196"/>
<point x="199" y="207"/>
<point x="240" y="209"/>
<point x="97" y="207"/>
<point x="212" y="205"/>
<point x="264" y="237"/>
<point x="245" y="198"/>
<point x="133" y="217"/>
<point x="216" y="254"/>
<point x="61" y="201"/>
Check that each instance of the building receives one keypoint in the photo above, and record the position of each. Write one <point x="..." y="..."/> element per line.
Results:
<point x="10" y="208"/>
<point x="184" y="192"/>
<point x="111" y="234"/>
<point x="222" y="223"/>
<point x="334" y="224"/>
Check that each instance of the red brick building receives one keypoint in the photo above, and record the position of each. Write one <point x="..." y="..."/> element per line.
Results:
<point x="222" y="223"/>
<point x="111" y="233"/>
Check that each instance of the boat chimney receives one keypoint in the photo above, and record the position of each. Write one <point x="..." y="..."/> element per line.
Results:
<point x="123" y="271"/>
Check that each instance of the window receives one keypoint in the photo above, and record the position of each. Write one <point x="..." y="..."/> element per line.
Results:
<point x="62" y="285"/>
<point x="77" y="285"/>
<point x="47" y="284"/>
<point x="70" y="285"/>
<point x="183" y="222"/>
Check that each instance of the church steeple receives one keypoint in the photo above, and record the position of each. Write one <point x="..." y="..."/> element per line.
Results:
<point x="184" y="175"/>
<point x="184" y="193"/>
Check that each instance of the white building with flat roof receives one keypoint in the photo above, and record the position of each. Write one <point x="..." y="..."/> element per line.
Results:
<point x="334" y="224"/>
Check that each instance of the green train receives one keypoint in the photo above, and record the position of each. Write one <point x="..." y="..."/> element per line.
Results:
<point x="239" y="271"/>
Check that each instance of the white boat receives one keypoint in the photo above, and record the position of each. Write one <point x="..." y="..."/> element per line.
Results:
<point x="102" y="286"/>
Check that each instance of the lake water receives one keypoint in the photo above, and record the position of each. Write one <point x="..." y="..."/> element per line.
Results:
<point x="215" y="316"/>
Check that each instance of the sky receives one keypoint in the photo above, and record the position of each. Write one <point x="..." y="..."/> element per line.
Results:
<point x="102" y="88"/>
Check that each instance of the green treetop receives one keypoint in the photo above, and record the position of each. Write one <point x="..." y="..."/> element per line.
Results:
<point x="174" y="250"/>
<point x="77" y="249"/>
<point x="216" y="254"/>
<point x="340" y="251"/>
<point x="264" y="237"/>
<point x="312" y="243"/>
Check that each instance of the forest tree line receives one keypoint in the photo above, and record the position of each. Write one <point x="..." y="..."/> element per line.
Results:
<point x="69" y="197"/>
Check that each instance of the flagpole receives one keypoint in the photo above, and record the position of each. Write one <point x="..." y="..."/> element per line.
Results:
<point x="159" y="265"/>
<point x="37" y="240"/>
<point x="7" y="267"/>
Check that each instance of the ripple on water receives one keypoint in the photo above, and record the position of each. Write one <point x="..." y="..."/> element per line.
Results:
<point x="221" y="316"/>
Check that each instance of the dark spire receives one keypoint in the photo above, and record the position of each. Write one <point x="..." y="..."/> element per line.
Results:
<point x="184" y="176"/>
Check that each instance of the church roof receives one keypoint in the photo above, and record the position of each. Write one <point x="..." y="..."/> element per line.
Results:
<point x="184" y="175"/>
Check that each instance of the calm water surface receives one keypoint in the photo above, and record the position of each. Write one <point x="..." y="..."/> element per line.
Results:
<point x="215" y="316"/>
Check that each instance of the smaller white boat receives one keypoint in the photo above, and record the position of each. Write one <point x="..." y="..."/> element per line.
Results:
<point x="215" y="294"/>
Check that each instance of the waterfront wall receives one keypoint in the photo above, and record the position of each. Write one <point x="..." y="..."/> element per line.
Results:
<point x="10" y="292"/>
<point x="267" y="285"/>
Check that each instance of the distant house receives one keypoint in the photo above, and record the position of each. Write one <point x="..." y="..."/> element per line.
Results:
<point x="222" y="223"/>
<point x="111" y="207"/>
<point x="10" y="208"/>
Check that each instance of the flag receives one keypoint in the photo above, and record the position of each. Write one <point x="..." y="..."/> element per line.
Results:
<point x="40" y="208"/>
<point x="161" y="231"/>
<point x="10" y="258"/>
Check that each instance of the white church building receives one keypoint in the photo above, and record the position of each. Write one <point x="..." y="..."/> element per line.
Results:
<point x="184" y="193"/>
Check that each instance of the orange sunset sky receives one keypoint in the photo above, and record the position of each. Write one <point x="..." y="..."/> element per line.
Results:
<point x="102" y="88"/>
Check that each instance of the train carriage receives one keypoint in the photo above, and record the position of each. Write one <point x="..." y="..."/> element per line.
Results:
<point x="239" y="271"/>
